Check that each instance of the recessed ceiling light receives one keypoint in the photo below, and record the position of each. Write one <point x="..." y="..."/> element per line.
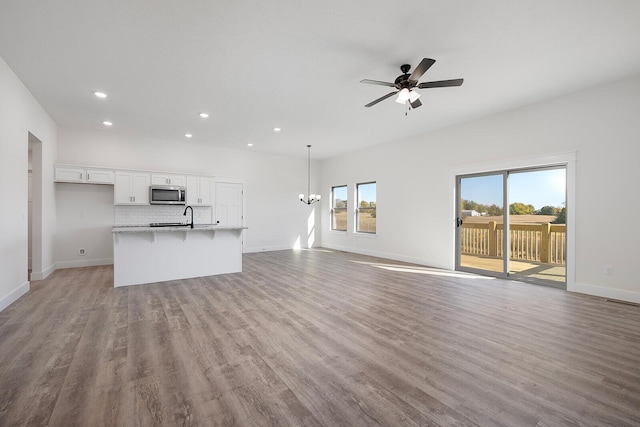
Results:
<point x="249" y="145"/>
<point x="277" y="129"/>
<point x="107" y="123"/>
<point x="204" y="115"/>
<point x="188" y="135"/>
<point x="100" y="94"/>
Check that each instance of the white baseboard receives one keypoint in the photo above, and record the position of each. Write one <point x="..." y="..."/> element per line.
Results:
<point x="249" y="250"/>
<point x="13" y="296"/>
<point x="603" y="292"/>
<point x="387" y="255"/>
<point x="41" y="275"/>
<point x="84" y="263"/>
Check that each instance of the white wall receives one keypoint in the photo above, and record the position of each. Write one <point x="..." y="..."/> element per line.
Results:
<point x="20" y="114"/>
<point x="275" y="217"/>
<point x="85" y="216"/>
<point x="415" y="198"/>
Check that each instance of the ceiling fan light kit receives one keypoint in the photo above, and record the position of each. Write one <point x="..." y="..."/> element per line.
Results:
<point x="403" y="96"/>
<point x="405" y="84"/>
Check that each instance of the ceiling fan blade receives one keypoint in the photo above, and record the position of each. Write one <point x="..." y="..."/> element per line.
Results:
<point x="377" y="82"/>
<point x="382" y="98"/>
<point x="441" y="83"/>
<point x="422" y="67"/>
<point x="416" y="103"/>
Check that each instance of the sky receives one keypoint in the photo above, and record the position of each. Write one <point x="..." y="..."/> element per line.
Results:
<point x="367" y="192"/>
<point x="537" y="188"/>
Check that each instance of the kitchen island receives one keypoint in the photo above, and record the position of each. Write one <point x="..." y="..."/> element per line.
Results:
<point x="143" y="254"/>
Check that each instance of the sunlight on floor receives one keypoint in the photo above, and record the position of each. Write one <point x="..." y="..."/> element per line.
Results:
<point x="311" y="235"/>
<point x="423" y="270"/>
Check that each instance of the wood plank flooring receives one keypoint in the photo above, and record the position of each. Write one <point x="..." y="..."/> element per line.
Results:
<point x="316" y="337"/>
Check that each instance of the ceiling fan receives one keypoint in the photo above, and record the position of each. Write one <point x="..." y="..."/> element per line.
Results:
<point x="407" y="83"/>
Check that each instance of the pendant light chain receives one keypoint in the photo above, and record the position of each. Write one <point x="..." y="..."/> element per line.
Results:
<point x="309" y="198"/>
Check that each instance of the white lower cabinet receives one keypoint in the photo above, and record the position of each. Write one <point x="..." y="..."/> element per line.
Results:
<point x="132" y="188"/>
<point x="199" y="191"/>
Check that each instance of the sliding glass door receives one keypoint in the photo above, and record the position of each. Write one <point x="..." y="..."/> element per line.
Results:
<point x="532" y="245"/>
<point x="480" y="208"/>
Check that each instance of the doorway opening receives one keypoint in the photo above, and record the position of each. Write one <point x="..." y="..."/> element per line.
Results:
<point x="512" y="224"/>
<point x="34" y="209"/>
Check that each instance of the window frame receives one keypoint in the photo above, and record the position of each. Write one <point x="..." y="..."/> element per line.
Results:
<point x="333" y="207"/>
<point x="357" y="209"/>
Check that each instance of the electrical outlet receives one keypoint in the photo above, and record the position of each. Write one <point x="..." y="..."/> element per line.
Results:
<point x="81" y="251"/>
<point x="608" y="270"/>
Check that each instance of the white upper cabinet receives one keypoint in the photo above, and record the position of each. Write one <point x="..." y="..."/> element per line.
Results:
<point x="132" y="188"/>
<point x="165" y="179"/>
<point x="199" y="191"/>
<point x="100" y="176"/>
<point x="82" y="175"/>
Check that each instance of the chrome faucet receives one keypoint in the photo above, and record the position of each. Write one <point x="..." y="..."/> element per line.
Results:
<point x="185" y="214"/>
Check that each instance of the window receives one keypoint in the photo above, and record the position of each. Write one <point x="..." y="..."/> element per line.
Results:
<point x="339" y="208"/>
<point x="366" y="209"/>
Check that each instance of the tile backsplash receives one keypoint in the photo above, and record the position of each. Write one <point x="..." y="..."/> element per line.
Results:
<point x="144" y="215"/>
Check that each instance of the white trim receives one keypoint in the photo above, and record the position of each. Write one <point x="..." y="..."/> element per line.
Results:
<point x="365" y="235"/>
<point x="516" y="163"/>
<point x="568" y="159"/>
<point x="254" y="249"/>
<point x="13" y="296"/>
<point x="84" y="263"/>
<point x="386" y="255"/>
<point x="338" y="232"/>
<point x="41" y="275"/>
<point x="228" y="180"/>
<point x="600" y="291"/>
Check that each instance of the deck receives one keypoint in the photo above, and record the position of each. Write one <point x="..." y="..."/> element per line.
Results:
<point x="548" y="274"/>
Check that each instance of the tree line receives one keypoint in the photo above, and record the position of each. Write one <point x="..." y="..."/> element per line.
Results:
<point x="516" y="208"/>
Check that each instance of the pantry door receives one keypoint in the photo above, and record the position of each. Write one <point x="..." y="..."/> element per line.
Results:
<point x="229" y="204"/>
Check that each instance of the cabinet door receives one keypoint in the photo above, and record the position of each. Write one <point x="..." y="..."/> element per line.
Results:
<point x="193" y="190"/>
<point x="199" y="191"/>
<point x="177" y="180"/>
<point x="173" y="180"/>
<point x="122" y="188"/>
<point x="140" y="188"/>
<point x="63" y="174"/>
<point x="159" y="179"/>
<point x="206" y="191"/>
<point x="99" y="176"/>
<point x="132" y="188"/>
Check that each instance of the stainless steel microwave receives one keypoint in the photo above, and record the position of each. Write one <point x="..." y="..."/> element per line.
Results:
<point x="167" y="195"/>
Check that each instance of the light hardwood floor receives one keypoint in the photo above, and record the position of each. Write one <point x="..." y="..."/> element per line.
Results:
<point x="316" y="337"/>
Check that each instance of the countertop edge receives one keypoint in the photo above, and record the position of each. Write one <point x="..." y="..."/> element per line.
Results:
<point x="143" y="229"/>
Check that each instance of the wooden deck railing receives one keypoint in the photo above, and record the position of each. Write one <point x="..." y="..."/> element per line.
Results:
<point x="546" y="243"/>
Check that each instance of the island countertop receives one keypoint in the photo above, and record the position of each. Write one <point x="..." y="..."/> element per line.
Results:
<point x="186" y="228"/>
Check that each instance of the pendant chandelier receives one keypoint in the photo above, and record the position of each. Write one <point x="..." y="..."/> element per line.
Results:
<point x="312" y="197"/>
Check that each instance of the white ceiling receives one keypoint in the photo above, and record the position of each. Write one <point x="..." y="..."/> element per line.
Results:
<point x="297" y="64"/>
